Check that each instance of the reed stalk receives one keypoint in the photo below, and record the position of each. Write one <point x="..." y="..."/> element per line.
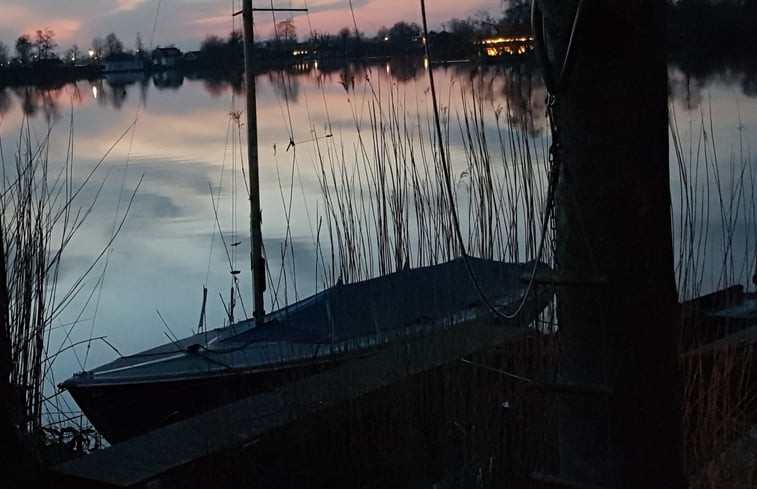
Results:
<point x="718" y="387"/>
<point x="384" y="200"/>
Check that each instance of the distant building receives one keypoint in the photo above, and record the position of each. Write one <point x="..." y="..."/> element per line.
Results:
<point x="501" y="46"/>
<point x="119" y="62"/>
<point x="166" y="57"/>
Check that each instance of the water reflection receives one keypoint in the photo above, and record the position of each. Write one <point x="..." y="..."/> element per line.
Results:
<point x="518" y="82"/>
<point x="36" y="101"/>
<point x="172" y="80"/>
<point x="285" y="85"/>
<point x="6" y="103"/>
<point x="184" y="146"/>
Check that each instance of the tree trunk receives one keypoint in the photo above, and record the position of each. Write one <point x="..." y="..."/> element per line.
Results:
<point x="612" y="207"/>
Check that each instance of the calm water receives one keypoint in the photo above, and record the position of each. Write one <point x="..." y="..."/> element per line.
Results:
<point x="176" y="141"/>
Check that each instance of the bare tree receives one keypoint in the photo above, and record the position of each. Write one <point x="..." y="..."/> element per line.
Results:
<point x="98" y="47"/>
<point x="24" y="48"/>
<point x="403" y="36"/>
<point x="45" y="43"/>
<point x="286" y="33"/>
<point x="113" y="45"/>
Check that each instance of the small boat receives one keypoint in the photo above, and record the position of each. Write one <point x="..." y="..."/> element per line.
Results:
<point x="136" y="393"/>
<point x="139" y="392"/>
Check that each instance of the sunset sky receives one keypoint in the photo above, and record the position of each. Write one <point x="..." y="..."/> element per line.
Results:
<point x="186" y="22"/>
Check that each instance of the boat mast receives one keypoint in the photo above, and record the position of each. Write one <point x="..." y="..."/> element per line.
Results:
<point x="257" y="262"/>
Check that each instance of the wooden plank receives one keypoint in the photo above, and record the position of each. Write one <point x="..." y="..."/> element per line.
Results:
<point x="145" y="458"/>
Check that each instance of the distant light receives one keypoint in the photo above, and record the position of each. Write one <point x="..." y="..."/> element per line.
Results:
<point x="91" y="52"/>
<point x="425" y="62"/>
<point x="386" y="38"/>
<point x="94" y="91"/>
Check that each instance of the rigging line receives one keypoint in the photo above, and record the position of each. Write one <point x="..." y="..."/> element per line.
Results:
<point x="220" y="232"/>
<point x="101" y="283"/>
<point x="287" y="204"/>
<point x="299" y="175"/>
<point x="320" y="85"/>
<point x="286" y="117"/>
<point x="275" y="303"/>
<point x="292" y="144"/>
<point x="307" y="16"/>
<point x="240" y="297"/>
<point x="453" y="209"/>
<point x="285" y="79"/>
<point x="77" y="284"/>
<point x="154" y="25"/>
<point x="354" y="22"/>
<point x="218" y="194"/>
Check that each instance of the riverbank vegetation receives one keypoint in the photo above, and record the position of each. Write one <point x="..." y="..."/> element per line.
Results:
<point x="42" y="207"/>
<point x="384" y="208"/>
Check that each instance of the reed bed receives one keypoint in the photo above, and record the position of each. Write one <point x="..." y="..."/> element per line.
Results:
<point x="384" y="201"/>
<point x="719" y="391"/>
<point x="35" y="218"/>
<point x="479" y="422"/>
<point x="710" y="190"/>
<point x="41" y="210"/>
<point x="385" y="208"/>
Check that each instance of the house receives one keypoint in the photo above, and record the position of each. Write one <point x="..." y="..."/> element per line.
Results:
<point x="169" y="57"/>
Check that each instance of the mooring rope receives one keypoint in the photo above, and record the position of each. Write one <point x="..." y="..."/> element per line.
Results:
<point x="453" y="209"/>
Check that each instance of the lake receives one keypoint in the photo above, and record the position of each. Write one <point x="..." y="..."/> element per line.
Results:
<point x="350" y="186"/>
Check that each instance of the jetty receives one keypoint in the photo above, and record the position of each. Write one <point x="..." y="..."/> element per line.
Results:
<point x="163" y="457"/>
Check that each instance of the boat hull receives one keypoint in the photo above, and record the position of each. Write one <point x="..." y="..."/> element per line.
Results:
<point x="140" y="392"/>
<point x="121" y="411"/>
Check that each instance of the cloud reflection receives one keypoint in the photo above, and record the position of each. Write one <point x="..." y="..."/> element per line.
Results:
<point x="186" y="151"/>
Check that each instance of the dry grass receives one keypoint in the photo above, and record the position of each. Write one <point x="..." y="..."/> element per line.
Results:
<point x="719" y="389"/>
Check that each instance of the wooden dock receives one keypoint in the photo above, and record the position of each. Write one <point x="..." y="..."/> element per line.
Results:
<point x="150" y="460"/>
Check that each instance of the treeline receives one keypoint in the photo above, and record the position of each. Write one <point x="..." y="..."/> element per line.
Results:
<point x="457" y="39"/>
<point x="42" y="48"/>
<point x="703" y="36"/>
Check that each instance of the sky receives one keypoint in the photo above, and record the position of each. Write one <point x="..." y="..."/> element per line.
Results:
<point x="187" y="22"/>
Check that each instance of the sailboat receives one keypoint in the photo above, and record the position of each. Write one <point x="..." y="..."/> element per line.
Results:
<point x="137" y="393"/>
